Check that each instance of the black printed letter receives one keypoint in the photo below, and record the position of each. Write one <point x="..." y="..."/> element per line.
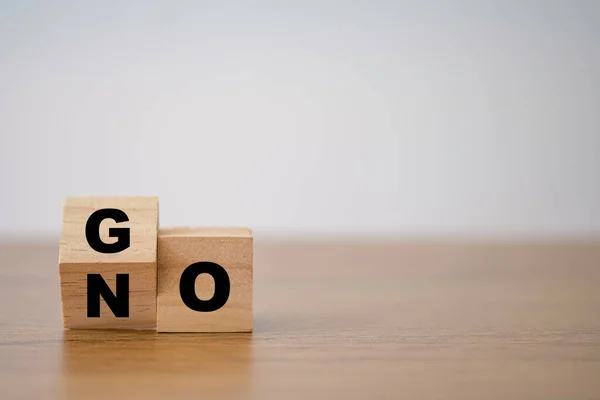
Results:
<point x="187" y="285"/>
<point x="92" y="231"/>
<point x="118" y="304"/>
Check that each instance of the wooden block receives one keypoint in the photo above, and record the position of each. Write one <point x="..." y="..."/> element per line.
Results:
<point x="107" y="262"/>
<point x="204" y="280"/>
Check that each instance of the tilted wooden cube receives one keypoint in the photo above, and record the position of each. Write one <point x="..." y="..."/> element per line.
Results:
<point x="205" y="280"/>
<point x="107" y="262"/>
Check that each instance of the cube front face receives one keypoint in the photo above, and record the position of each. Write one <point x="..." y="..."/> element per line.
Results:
<point x="108" y="246"/>
<point x="141" y="307"/>
<point x="205" y="279"/>
<point x="142" y="222"/>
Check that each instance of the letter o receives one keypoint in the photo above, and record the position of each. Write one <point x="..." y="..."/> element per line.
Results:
<point x="187" y="286"/>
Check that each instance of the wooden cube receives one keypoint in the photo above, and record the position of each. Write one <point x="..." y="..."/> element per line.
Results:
<point x="204" y="280"/>
<point x="107" y="262"/>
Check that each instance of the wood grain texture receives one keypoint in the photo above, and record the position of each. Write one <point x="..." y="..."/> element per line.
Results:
<point x="142" y="295"/>
<point x="77" y="259"/>
<point x="231" y="248"/>
<point x="355" y="320"/>
<point x="143" y="226"/>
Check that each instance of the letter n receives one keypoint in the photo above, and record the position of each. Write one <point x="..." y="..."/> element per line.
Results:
<point x="118" y="303"/>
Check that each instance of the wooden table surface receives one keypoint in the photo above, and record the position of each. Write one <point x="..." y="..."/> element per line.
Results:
<point x="364" y="320"/>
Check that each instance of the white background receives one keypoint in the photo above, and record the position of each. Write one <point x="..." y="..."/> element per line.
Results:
<point x="424" y="117"/>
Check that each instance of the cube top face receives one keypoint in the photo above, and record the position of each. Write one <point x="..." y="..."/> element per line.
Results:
<point x="122" y="230"/>
<point x="206" y="232"/>
<point x="179" y="250"/>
